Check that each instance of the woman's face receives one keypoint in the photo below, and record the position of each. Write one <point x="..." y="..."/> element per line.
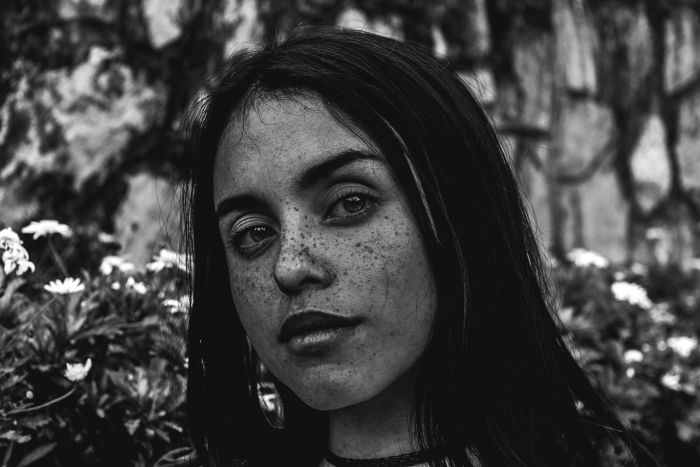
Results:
<point x="326" y="264"/>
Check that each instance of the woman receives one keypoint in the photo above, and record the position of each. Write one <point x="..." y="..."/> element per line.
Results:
<point x="367" y="287"/>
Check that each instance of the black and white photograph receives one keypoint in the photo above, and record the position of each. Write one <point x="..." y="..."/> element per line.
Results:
<point x="350" y="233"/>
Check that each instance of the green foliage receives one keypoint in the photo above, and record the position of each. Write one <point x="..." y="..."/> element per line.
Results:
<point x="93" y="370"/>
<point x="644" y="356"/>
<point x="123" y="401"/>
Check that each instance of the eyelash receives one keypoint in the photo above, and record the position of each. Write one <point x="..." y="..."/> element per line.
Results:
<point x="349" y="193"/>
<point x="234" y="241"/>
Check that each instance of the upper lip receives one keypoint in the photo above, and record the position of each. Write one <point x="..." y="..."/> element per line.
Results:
<point x="311" y="320"/>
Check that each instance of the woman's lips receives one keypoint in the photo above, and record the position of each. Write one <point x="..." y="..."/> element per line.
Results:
<point x="312" y="331"/>
<point x="318" y="342"/>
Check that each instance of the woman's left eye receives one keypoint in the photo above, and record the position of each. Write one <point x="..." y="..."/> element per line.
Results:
<point x="351" y="205"/>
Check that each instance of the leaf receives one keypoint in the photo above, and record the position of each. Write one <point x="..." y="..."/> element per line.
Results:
<point x="150" y="321"/>
<point x="12" y="435"/>
<point x="103" y="399"/>
<point x="36" y="422"/>
<point x="13" y="381"/>
<point x="162" y="435"/>
<point x="37" y="454"/>
<point x="132" y="425"/>
<point x="687" y="431"/>
<point x="174" y="426"/>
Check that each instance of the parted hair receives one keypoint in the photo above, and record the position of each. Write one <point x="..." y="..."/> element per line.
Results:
<point x="496" y="381"/>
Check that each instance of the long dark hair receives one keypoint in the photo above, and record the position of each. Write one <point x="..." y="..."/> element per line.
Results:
<point x="496" y="376"/>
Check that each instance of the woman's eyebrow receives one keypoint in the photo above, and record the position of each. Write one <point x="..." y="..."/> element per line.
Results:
<point x="238" y="203"/>
<point x="308" y="178"/>
<point x="324" y="168"/>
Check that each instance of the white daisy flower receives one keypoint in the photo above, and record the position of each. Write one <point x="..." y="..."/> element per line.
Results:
<point x="14" y="255"/>
<point x="76" y="372"/>
<point x="69" y="285"/>
<point x="683" y="345"/>
<point x="631" y="293"/>
<point x="104" y="237"/>
<point x="110" y="263"/>
<point x="16" y="258"/>
<point x="672" y="381"/>
<point x="47" y="227"/>
<point x="633" y="356"/>
<point x="168" y="259"/>
<point x="8" y="237"/>
<point x="659" y="314"/>
<point x="584" y="258"/>
<point x="138" y="287"/>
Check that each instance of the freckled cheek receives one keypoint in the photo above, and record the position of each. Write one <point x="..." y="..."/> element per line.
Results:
<point x="254" y="300"/>
<point x="409" y="284"/>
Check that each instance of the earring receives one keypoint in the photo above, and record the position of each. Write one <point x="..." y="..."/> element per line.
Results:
<point x="269" y="398"/>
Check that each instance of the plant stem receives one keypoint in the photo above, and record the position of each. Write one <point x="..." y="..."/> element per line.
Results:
<point x="41" y="406"/>
<point x="57" y="258"/>
<point x="19" y="331"/>
<point x="6" y="296"/>
<point x="8" y="455"/>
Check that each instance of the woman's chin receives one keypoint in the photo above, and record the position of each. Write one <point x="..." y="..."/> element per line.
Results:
<point x="322" y="397"/>
<point x="325" y="405"/>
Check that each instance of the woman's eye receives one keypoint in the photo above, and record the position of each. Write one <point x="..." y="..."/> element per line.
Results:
<point x="351" y="205"/>
<point x="249" y="240"/>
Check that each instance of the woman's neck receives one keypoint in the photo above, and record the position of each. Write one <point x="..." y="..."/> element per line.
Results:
<point x="378" y="427"/>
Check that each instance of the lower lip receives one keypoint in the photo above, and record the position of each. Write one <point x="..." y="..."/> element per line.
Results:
<point x="319" y="341"/>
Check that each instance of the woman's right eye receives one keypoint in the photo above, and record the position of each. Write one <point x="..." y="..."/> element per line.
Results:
<point x="250" y="240"/>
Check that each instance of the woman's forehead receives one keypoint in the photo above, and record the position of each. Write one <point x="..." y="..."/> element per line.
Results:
<point x="269" y="117"/>
<point x="278" y="139"/>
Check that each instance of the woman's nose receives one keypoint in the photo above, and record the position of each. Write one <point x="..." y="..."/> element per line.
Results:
<point x="297" y="268"/>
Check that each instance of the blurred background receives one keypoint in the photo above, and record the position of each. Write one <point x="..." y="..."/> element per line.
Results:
<point x="597" y="103"/>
